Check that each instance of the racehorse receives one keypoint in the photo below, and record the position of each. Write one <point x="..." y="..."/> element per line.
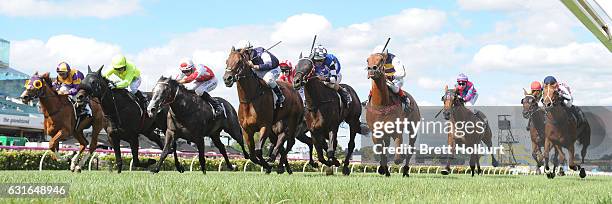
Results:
<point x="535" y="115"/>
<point x="324" y="113"/>
<point x="60" y="118"/>
<point x="127" y="119"/>
<point x="190" y="118"/>
<point x="383" y="107"/>
<point x="456" y="112"/>
<point x="561" y="130"/>
<point x="257" y="113"/>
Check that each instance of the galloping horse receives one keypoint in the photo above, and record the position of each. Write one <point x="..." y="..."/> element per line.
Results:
<point x="535" y="115"/>
<point x="256" y="111"/>
<point x="383" y="107"/>
<point x="325" y="111"/>
<point x="60" y="118"/>
<point x="127" y="119"/>
<point x="455" y="112"/>
<point x="562" y="131"/>
<point x="190" y="118"/>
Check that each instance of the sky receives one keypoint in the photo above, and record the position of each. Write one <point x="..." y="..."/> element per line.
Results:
<point x="502" y="45"/>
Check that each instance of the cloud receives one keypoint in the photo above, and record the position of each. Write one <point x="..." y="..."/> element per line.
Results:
<point x="492" y="5"/>
<point x="430" y="84"/>
<point x="588" y="57"/>
<point x="35" y="55"/>
<point x="69" y="8"/>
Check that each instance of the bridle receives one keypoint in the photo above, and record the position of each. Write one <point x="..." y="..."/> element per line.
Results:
<point x="377" y="69"/>
<point x="533" y="105"/>
<point x="167" y="102"/>
<point x="237" y="73"/>
<point x="306" y="76"/>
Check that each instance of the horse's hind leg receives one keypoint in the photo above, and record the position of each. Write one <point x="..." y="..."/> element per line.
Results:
<point x="488" y="141"/>
<point x="473" y="164"/>
<point x="216" y="139"/>
<point x="537" y="155"/>
<point x="134" y="144"/>
<point x="290" y="143"/>
<point x="547" y="148"/>
<point x="406" y="167"/>
<point x="383" y="143"/>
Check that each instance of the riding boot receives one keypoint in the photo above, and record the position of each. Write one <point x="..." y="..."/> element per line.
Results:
<point x="528" y="124"/>
<point x="405" y="100"/>
<point x="345" y="96"/>
<point x="217" y="108"/>
<point x="280" y="98"/>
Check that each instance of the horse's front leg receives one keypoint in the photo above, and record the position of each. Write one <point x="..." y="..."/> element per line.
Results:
<point x="451" y="145"/>
<point x="331" y="148"/>
<point x="166" y="149"/>
<point x="263" y="135"/>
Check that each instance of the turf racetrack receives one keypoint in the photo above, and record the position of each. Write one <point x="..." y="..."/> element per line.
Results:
<point x="255" y="187"/>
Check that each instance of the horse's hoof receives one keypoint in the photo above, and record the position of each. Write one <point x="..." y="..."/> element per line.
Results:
<point x="381" y="170"/>
<point x="280" y="170"/>
<point x="313" y="164"/>
<point x="204" y="172"/>
<point x="329" y="171"/>
<point x="405" y="171"/>
<point x="398" y="161"/>
<point x="495" y="163"/>
<point x="180" y="170"/>
<point x="582" y="173"/>
<point x="77" y="169"/>
<point x="387" y="174"/>
<point x="246" y="156"/>
<point x="154" y="171"/>
<point x="444" y="172"/>
<point x="346" y="171"/>
<point x="268" y="170"/>
<point x="336" y="162"/>
<point x="561" y="173"/>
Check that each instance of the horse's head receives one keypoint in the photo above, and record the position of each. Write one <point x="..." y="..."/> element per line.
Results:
<point x="451" y="99"/>
<point x="236" y="63"/>
<point x="303" y="71"/>
<point x="550" y="94"/>
<point x="94" y="83"/>
<point x="164" y="93"/>
<point x="530" y="104"/>
<point x="34" y="87"/>
<point x="376" y="65"/>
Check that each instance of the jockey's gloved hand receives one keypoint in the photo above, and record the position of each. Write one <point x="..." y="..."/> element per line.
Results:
<point x="112" y="85"/>
<point x="250" y="64"/>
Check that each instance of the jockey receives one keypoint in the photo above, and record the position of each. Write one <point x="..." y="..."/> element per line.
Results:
<point x="265" y="66"/>
<point x="128" y="76"/>
<point x="328" y="66"/>
<point x="536" y="90"/>
<point x="68" y="80"/>
<point x="67" y="83"/>
<point x="566" y="94"/>
<point x="466" y="89"/>
<point x="287" y="72"/>
<point x="203" y="80"/>
<point x="394" y="82"/>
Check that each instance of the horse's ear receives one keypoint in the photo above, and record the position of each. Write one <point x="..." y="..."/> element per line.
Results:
<point x="35" y="73"/>
<point x="100" y="70"/>
<point x="300" y="55"/>
<point x="233" y="49"/>
<point x="89" y="69"/>
<point x="445" y="88"/>
<point x="525" y="92"/>
<point x="45" y="75"/>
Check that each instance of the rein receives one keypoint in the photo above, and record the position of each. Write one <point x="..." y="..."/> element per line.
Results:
<point x="173" y="98"/>
<point x="240" y="75"/>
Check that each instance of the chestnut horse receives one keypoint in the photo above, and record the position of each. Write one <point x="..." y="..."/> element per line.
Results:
<point x="257" y="113"/>
<point x="385" y="107"/>
<point x="456" y="112"/>
<point x="562" y="131"/>
<point x="60" y="118"/>
<point x="324" y="113"/>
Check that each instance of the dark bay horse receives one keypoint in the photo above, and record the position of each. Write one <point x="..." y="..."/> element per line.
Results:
<point x="324" y="113"/>
<point x="561" y="130"/>
<point x="257" y="113"/>
<point x="127" y="119"/>
<point x="191" y="118"/>
<point x="60" y="118"/>
<point x="456" y="112"/>
<point x="535" y="114"/>
<point x="383" y="107"/>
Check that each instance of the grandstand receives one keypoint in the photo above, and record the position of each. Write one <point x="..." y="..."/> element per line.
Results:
<point x="16" y="119"/>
